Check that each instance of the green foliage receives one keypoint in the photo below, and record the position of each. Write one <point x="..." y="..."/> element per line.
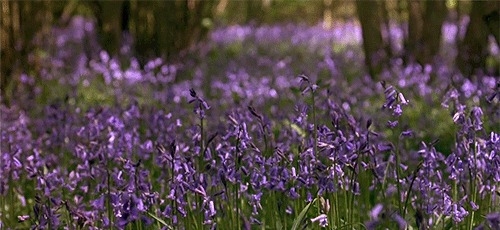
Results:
<point x="94" y="92"/>
<point x="299" y="221"/>
<point x="430" y="123"/>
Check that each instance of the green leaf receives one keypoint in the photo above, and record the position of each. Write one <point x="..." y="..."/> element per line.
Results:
<point x="301" y="217"/>
<point x="296" y="128"/>
<point x="160" y="221"/>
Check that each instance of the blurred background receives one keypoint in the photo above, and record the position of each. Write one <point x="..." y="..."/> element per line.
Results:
<point x="166" y="29"/>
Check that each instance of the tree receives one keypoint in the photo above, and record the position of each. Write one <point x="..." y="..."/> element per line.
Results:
<point x="373" y="44"/>
<point x="473" y="49"/>
<point x="415" y="28"/>
<point x="492" y="20"/>
<point x="164" y="28"/>
<point x="109" y="17"/>
<point x="10" y="30"/>
<point x="159" y="28"/>
<point x="435" y="14"/>
<point x="24" y="24"/>
<point x="425" y="20"/>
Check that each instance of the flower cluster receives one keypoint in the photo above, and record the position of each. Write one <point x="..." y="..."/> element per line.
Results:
<point x="134" y="146"/>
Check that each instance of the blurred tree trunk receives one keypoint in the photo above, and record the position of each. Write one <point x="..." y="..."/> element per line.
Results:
<point x="493" y="22"/>
<point x="424" y="30"/>
<point x="373" y="45"/>
<point x="435" y="14"/>
<point x="415" y="28"/>
<point x="387" y="30"/>
<point x="109" y="18"/>
<point x="253" y="11"/>
<point x="164" y="28"/>
<point x="473" y="49"/>
<point x="10" y="31"/>
<point x="159" y="28"/>
<point x="143" y="28"/>
<point x="24" y="25"/>
<point x="402" y="13"/>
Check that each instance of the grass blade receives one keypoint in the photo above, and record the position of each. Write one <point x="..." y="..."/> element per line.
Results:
<point x="160" y="221"/>
<point x="300" y="218"/>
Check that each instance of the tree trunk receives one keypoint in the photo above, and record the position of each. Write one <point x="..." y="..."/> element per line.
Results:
<point x="415" y="28"/>
<point x="474" y="47"/>
<point x="492" y="20"/>
<point x="387" y="30"/>
<point x="424" y="30"/>
<point x="110" y="20"/>
<point x="7" y="44"/>
<point x="253" y="11"/>
<point x="24" y="25"/>
<point x="435" y="15"/>
<point x="369" y="17"/>
<point x="164" y="28"/>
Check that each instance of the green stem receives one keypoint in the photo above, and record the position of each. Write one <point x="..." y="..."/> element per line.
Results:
<point x="315" y="130"/>
<point x="235" y="186"/>
<point x="347" y="211"/>
<point x="199" y="200"/>
<point x="192" y="212"/>
<point x="266" y="147"/>
<point x="333" y="204"/>
<point x="173" y="203"/>
<point x="398" y="179"/>
<point x="202" y="146"/>
<point x="408" y="193"/>
<point x="336" y="198"/>
<point x="351" y="202"/>
<point x="49" y="207"/>
<point x="235" y="203"/>
<point x="473" y="187"/>
<point x="108" y="200"/>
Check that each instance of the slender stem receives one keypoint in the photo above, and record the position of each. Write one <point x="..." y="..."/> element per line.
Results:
<point x="333" y="208"/>
<point x="2" y="207"/>
<point x="266" y="148"/>
<point x="192" y="212"/>
<point x="237" y="207"/>
<point x="335" y="197"/>
<point x="202" y="144"/>
<point x="315" y="129"/>
<point x="398" y="176"/>
<point x="353" y="182"/>
<point x="398" y="184"/>
<point x="346" y="204"/>
<point x="108" y="200"/>
<point x="200" y="169"/>
<point x="11" y="197"/>
<point x="173" y="203"/>
<point x="49" y="210"/>
<point x="455" y="192"/>
<point x="408" y="193"/>
<point x="235" y="186"/>
<point x="473" y="187"/>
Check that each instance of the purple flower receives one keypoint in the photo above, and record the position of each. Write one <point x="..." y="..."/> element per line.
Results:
<point x="392" y="124"/>
<point x="397" y="111"/>
<point x="493" y="220"/>
<point x="375" y="212"/>
<point x="476" y="116"/>
<point x="383" y="147"/>
<point x="322" y="219"/>
<point x="400" y="221"/>
<point x="200" y="105"/>
<point x="407" y="133"/>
